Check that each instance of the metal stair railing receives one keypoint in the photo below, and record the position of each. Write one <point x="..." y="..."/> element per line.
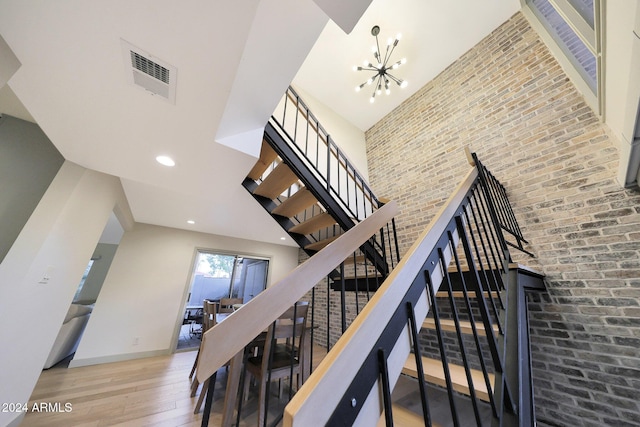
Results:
<point x="305" y="146"/>
<point x="353" y="384"/>
<point x="329" y="163"/>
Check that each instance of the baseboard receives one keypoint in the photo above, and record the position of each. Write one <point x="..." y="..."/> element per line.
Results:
<point x="117" y="358"/>
<point x="17" y="420"/>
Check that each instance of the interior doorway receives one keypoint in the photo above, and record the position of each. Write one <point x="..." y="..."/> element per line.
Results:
<point x="219" y="275"/>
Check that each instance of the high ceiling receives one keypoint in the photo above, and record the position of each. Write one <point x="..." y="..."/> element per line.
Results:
<point x="234" y="60"/>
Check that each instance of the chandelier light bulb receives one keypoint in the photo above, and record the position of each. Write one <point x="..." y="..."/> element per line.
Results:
<point x="403" y="61"/>
<point x="398" y="36"/>
<point x="404" y="84"/>
<point x="357" y="88"/>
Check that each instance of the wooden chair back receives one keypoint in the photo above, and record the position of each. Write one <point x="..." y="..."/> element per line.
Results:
<point x="226" y="304"/>
<point x="209" y="311"/>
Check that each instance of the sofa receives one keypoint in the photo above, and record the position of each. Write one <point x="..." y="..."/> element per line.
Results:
<point x="69" y="336"/>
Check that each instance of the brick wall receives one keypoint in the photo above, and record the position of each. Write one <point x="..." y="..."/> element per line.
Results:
<point x="509" y="100"/>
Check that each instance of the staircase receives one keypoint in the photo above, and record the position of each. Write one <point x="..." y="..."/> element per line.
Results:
<point x="452" y="314"/>
<point x="309" y="186"/>
<point x="450" y="317"/>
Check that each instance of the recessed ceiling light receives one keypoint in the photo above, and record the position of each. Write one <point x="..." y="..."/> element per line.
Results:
<point x="283" y="238"/>
<point x="165" y="160"/>
<point x="191" y="221"/>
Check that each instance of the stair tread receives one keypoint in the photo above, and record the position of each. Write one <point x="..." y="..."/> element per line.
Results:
<point x="434" y="373"/>
<point x="403" y="417"/>
<point x="465" y="327"/>
<point x="315" y="223"/>
<point x="316" y="246"/>
<point x="267" y="156"/>
<point x="460" y="294"/>
<point x="281" y="178"/>
<point x="510" y="266"/>
<point x="301" y="200"/>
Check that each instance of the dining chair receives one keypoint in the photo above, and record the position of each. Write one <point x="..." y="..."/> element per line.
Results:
<point x="226" y="304"/>
<point x="281" y="357"/>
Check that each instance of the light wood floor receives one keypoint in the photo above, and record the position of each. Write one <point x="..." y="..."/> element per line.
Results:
<point x="155" y="392"/>
<point x="144" y="392"/>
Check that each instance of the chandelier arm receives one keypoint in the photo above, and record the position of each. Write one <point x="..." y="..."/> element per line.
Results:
<point x="387" y="55"/>
<point x="390" y="53"/>
<point x="395" y="79"/>
<point x="376" y="85"/>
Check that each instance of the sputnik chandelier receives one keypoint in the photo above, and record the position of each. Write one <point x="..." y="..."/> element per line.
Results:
<point x="381" y="77"/>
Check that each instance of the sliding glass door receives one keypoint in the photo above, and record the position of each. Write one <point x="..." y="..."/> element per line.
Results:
<point x="219" y="275"/>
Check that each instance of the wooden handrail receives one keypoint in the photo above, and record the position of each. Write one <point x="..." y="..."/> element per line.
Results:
<point x="319" y="396"/>
<point x="226" y="339"/>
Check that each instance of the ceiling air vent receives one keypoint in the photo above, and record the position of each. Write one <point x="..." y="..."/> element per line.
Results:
<point x="150" y="73"/>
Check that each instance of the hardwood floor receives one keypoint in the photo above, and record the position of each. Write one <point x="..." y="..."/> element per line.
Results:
<point x="156" y="392"/>
<point x="144" y="392"/>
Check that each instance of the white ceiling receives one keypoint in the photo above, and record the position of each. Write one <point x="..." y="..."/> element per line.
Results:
<point x="234" y="60"/>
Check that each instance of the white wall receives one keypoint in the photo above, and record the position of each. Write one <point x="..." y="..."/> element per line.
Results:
<point x="102" y="256"/>
<point x="57" y="241"/>
<point x="141" y="303"/>
<point x="346" y="135"/>
<point x="622" y="88"/>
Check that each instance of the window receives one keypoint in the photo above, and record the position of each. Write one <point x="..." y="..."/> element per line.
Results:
<point x="573" y="26"/>
<point x="218" y="275"/>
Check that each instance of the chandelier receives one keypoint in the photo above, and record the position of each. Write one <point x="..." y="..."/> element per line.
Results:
<point x="381" y="76"/>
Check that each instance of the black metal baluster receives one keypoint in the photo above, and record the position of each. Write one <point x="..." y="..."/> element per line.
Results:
<point x="343" y="306"/>
<point x="495" y="234"/>
<point x="461" y="346"/>
<point x="413" y="329"/>
<point x="481" y="273"/>
<point x="484" y="312"/>
<point x="489" y="249"/>
<point x="328" y="312"/>
<point x="474" y="329"/>
<point x="386" y="390"/>
<point x="443" y="356"/>
<point x="313" y="324"/>
<point x="206" y="413"/>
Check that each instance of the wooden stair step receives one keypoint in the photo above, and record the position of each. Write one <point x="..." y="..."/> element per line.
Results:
<point x="460" y="294"/>
<point x="276" y="182"/>
<point x="450" y="326"/>
<point x="313" y="224"/>
<point x="316" y="246"/>
<point x="358" y="261"/>
<point x="267" y="157"/>
<point x="434" y="374"/>
<point x="403" y="417"/>
<point x="300" y="201"/>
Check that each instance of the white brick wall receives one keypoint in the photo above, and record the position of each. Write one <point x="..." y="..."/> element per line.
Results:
<point x="509" y="101"/>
